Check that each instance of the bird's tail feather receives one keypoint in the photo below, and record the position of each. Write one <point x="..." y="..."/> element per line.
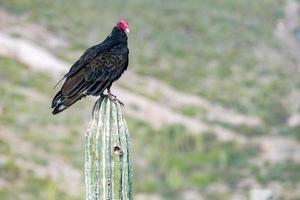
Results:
<point x="60" y="102"/>
<point x="59" y="98"/>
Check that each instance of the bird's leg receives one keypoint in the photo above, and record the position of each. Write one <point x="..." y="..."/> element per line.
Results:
<point x="110" y="95"/>
<point x="113" y="97"/>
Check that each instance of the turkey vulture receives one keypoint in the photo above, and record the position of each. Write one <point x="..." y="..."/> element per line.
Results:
<point x="96" y="69"/>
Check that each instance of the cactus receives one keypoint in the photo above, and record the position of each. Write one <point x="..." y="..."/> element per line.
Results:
<point x="107" y="163"/>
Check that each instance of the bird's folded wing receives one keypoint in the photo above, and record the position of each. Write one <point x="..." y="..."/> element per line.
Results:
<point x="89" y="55"/>
<point x="96" y="76"/>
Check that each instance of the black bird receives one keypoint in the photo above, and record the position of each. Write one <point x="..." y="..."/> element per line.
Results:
<point x="96" y="69"/>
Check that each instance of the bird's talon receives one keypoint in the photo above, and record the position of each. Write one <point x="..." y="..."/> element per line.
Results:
<point x="120" y="102"/>
<point x="114" y="99"/>
<point x="111" y="97"/>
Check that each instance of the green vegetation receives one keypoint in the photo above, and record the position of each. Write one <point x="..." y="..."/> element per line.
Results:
<point x="225" y="51"/>
<point x="166" y="161"/>
<point x="28" y="119"/>
<point x="180" y="160"/>
<point x="286" y="173"/>
<point x="227" y="46"/>
<point x="191" y="110"/>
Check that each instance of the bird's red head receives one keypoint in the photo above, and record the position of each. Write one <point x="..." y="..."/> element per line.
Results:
<point x="122" y="25"/>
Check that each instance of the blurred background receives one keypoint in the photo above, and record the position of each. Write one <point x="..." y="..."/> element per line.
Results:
<point x="211" y="97"/>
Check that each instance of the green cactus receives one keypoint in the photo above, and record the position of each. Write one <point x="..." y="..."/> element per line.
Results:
<point x="107" y="163"/>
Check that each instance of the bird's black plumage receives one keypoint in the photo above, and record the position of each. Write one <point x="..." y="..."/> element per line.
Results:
<point x="95" y="71"/>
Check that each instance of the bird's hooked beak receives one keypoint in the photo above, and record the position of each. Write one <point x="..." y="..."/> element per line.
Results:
<point x="127" y="30"/>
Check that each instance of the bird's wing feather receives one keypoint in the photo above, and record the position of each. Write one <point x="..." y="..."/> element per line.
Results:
<point x="90" y="54"/>
<point x="97" y="75"/>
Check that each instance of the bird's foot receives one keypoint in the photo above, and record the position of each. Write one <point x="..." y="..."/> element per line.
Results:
<point x="120" y="102"/>
<point x="114" y="99"/>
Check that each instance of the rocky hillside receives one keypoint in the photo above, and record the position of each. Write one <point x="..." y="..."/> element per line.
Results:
<point x="212" y="97"/>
